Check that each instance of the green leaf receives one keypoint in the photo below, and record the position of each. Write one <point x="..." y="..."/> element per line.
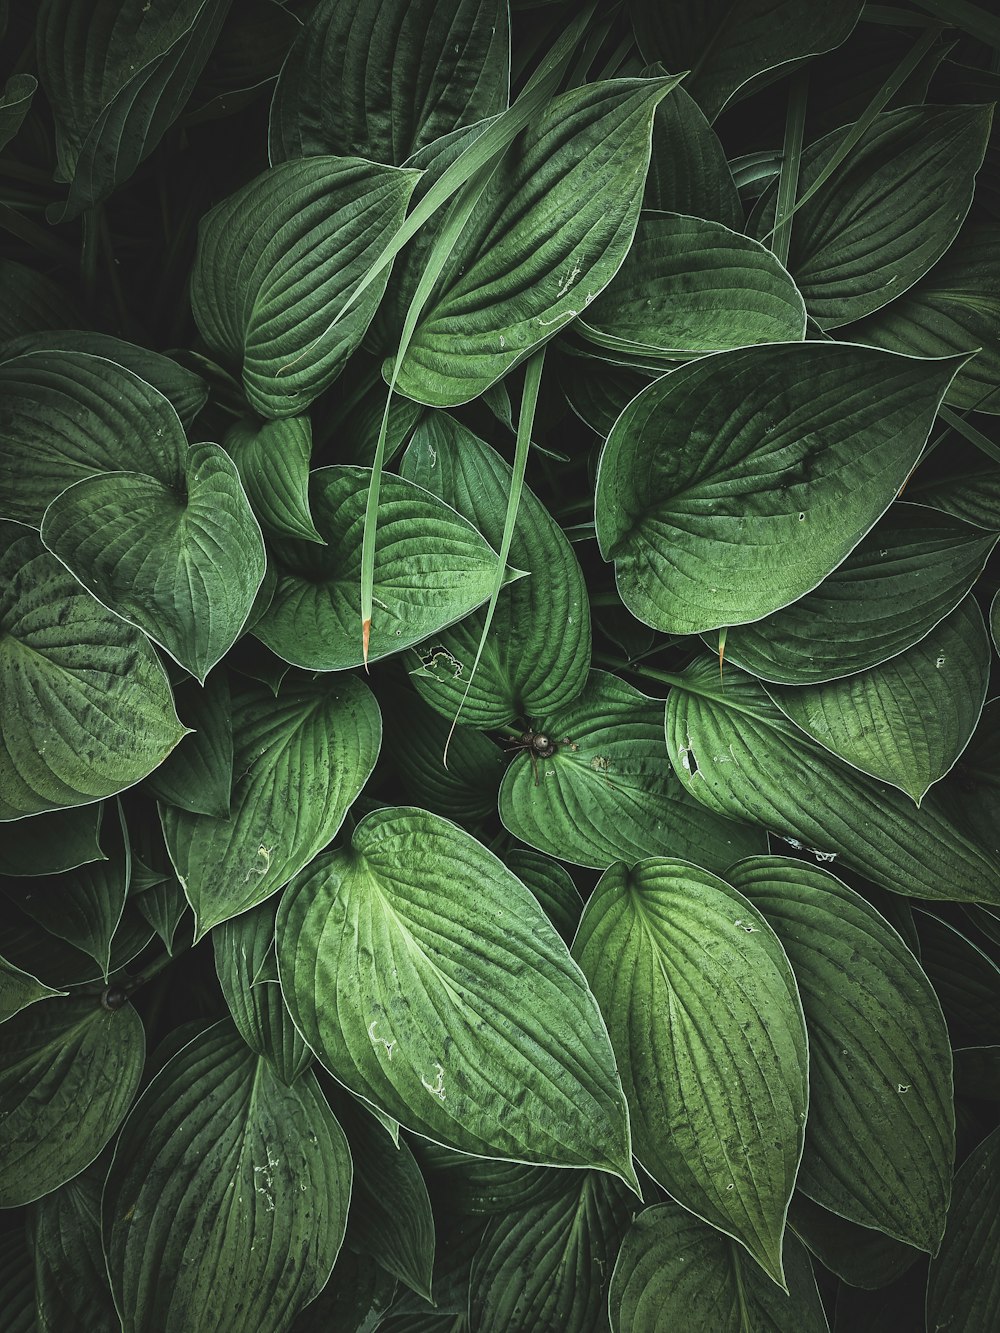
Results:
<point x="977" y="1072"/>
<point x="687" y="506"/>
<point x="606" y="792"/>
<point x="276" y="263"/>
<point x="163" y="906"/>
<point x="954" y="308"/>
<point x="431" y="568"/>
<point x="32" y="302"/>
<point x="738" y="754"/>
<point x="688" y="171"/>
<point x="429" y="981"/>
<point x="887" y="214"/>
<point x="117" y="75"/>
<point x="858" y="1255"/>
<point x="548" y="1266"/>
<point x="382" y="81"/>
<point x="71" y="1282"/>
<point x="299" y="763"/>
<point x="963" y="1286"/>
<point x="17" y="1290"/>
<point x="689" y="286"/>
<point x="674" y="1272"/>
<point x="15" y="103"/>
<point x="526" y="669"/>
<point x="226" y="1202"/>
<point x="180" y="559"/>
<point x="355" y="1300"/>
<point x="272" y="458"/>
<point x="912" y="569"/>
<point x="68" y="1072"/>
<point x="51" y="843"/>
<point x="545" y="237"/>
<point x="707" y="1026"/>
<point x="20" y="989"/>
<point x="881" y="1136"/>
<point x="248" y="974"/>
<point x="908" y="720"/>
<point x="972" y="793"/>
<point x="198" y="775"/>
<point x="85" y="707"/>
<point x="965" y="978"/>
<point x="552" y="885"/>
<point x="483" y="1186"/>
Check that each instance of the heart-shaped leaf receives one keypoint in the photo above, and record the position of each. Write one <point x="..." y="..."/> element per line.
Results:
<point x="85" y="706"/>
<point x="273" y="462"/>
<point x="602" y="790"/>
<point x="226" y="1202"/>
<point x="880" y="1142"/>
<point x="429" y="981"/>
<point x="299" y="762"/>
<point x="431" y="568"/>
<point x="706" y="1022"/>
<point x="276" y="263"/>
<point x="687" y="506"/>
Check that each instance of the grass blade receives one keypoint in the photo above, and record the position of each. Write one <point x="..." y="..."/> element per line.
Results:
<point x="788" y="180"/>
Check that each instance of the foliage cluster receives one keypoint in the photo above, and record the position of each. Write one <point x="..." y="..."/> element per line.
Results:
<point x="500" y="791"/>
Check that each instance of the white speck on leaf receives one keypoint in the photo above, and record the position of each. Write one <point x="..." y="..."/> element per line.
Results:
<point x="436" y="1089"/>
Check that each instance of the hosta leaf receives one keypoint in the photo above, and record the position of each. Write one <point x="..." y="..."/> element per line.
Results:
<point x="955" y="308"/>
<point x="51" y="843"/>
<point x="688" y="171"/>
<point x="85" y="705"/>
<point x="880" y="1142"/>
<point x="163" y="906"/>
<point x="117" y="75"/>
<point x="971" y="493"/>
<point x="276" y="262"/>
<point x="19" y="989"/>
<point x="548" y="233"/>
<point x="912" y="569"/>
<point x="977" y="1072"/>
<point x="226" y="1202"/>
<point x="429" y="981"/>
<point x="385" y="79"/>
<point x="908" y="720"/>
<point x="483" y="1186"/>
<point x="68" y="1072"/>
<point x="674" y="1272"/>
<point x="272" y="458"/>
<point x="71" y="1282"/>
<point x="548" y="1267"/>
<point x="687" y="505"/>
<point x="738" y="754"/>
<point x="886" y="214"/>
<point x="248" y="974"/>
<point x="180" y="557"/>
<point x="431" y="567"/>
<point x="33" y="301"/>
<point x="606" y="793"/>
<point x="552" y="885"/>
<point x="355" y="1300"/>
<point x="963" y="1286"/>
<point x="972" y="791"/>
<point x="60" y="964"/>
<point x="858" y="1255"/>
<point x="965" y="978"/>
<point x="527" y="668"/>
<point x="299" y="762"/>
<point x="198" y="775"/>
<point x="17" y="1288"/>
<point x="15" y="102"/>
<point x="706" y="1023"/>
<point x="689" y="286"/>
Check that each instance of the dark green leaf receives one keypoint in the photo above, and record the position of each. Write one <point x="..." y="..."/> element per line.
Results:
<point x="966" y="979"/>
<point x="483" y="1186"/>
<point x="18" y="989"/>
<point x="17" y="1288"/>
<point x="552" y="885"/>
<point x="32" y="301"/>
<point x="354" y="1300"/>
<point x="859" y="1256"/>
<point x="15" y="102"/>
<point x="198" y="775"/>
<point x="71" y="1282"/>
<point x="273" y="462"/>
<point x="51" y="843"/>
<point x="688" y="171"/>
<point x="963" y="1287"/>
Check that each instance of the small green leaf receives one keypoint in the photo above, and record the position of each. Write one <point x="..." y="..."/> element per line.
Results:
<point x="687" y="506"/>
<point x="49" y="844"/>
<point x="19" y="989"/>
<point x="963" y="1286"/>
<point x="198" y="775"/>
<point x="68" y="1072"/>
<point x="688" y="171"/>
<point x="299" y="762"/>
<point x="552" y="885"/>
<point x="705" y="1019"/>
<point x="71" y="1281"/>
<point x="429" y="981"/>
<point x="15" y="103"/>
<point x="226" y="1202"/>
<point x="272" y="458"/>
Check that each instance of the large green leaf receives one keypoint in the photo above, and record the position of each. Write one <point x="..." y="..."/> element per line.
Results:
<point x="117" y="73"/>
<point x="548" y="1266"/>
<point x="880" y="1142"/>
<point x="955" y="308"/>
<point x="85" y="706"/>
<point x="673" y="1272"/>
<point x="887" y="214"/>
<point x="299" y="762"/>
<point x="688" y="171"/>
<point x="736" y="752"/>
<point x="912" y="569"/>
<point x="181" y="557"/>
<point x="527" y="668"/>
<point x="431" y="568"/>
<point x="605" y="792"/>
<point x="687" y="505"/>
<point x="690" y="286"/>
<point x="71" y="1282"/>
<point x="226" y="1202"/>
<point x="273" y="462"/>
<point x="707" y="1026"/>
<point x="727" y="43"/>
<point x="547" y="235"/>
<point x="908" y="720"/>
<point x="429" y="981"/>
<point x="963" y="1286"/>
<point x="276" y="263"/>
<point x="68" y="1072"/>
<point x="382" y="80"/>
